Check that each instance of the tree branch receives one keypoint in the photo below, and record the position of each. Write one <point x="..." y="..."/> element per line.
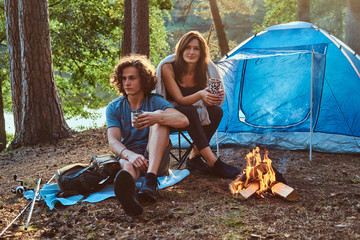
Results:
<point x="210" y="31"/>
<point x="54" y="4"/>
<point x="76" y="61"/>
<point x="187" y="14"/>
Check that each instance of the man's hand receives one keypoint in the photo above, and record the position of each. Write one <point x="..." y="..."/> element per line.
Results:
<point x="139" y="161"/>
<point x="148" y="119"/>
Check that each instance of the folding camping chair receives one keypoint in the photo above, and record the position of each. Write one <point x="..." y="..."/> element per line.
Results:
<point x="182" y="157"/>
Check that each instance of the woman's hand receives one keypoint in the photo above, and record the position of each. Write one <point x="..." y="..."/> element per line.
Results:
<point x="212" y="99"/>
<point x="139" y="161"/>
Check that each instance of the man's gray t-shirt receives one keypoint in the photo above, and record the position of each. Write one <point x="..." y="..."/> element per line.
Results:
<point x="118" y="114"/>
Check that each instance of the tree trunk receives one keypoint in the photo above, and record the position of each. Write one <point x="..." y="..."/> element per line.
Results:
<point x="42" y="117"/>
<point x="2" y="122"/>
<point x="136" y="37"/>
<point x="352" y="33"/>
<point x="304" y="10"/>
<point x="140" y="27"/>
<point x="14" y="48"/>
<point x="126" y="43"/>
<point x="219" y="26"/>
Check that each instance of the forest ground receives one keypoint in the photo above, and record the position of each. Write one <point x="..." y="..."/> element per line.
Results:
<point x="199" y="207"/>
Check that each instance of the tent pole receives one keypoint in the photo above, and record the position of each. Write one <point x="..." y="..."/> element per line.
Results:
<point x="311" y="101"/>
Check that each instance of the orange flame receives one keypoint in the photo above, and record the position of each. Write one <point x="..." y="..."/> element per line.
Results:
<point x="257" y="169"/>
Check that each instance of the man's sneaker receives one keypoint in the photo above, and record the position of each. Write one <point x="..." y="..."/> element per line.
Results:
<point x="224" y="170"/>
<point x="147" y="190"/>
<point x="197" y="164"/>
<point x="125" y="192"/>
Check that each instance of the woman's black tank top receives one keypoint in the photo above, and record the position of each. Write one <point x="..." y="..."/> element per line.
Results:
<point x="186" y="91"/>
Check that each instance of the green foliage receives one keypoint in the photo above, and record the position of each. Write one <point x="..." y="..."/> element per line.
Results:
<point x="159" y="48"/>
<point x="85" y="39"/>
<point x="4" y="78"/>
<point x="162" y="4"/>
<point x="237" y="16"/>
<point x="2" y="25"/>
<point x="278" y="11"/>
<point x="327" y="14"/>
<point x="202" y="7"/>
<point x="9" y="137"/>
<point x="330" y="16"/>
<point x="214" y="48"/>
<point x="4" y="61"/>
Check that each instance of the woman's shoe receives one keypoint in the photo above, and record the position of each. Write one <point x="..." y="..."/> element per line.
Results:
<point x="224" y="170"/>
<point x="197" y="164"/>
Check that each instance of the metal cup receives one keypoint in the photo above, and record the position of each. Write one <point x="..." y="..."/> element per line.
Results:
<point x="214" y="85"/>
<point x="134" y="117"/>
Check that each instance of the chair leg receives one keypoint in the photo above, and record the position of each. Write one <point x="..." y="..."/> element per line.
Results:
<point x="186" y="154"/>
<point x="182" y="157"/>
<point x="176" y="158"/>
<point x="186" y="138"/>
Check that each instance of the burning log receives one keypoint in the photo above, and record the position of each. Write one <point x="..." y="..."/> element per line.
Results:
<point x="259" y="177"/>
<point x="253" y="173"/>
<point x="284" y="191"/>
<point x="245" y="193"/>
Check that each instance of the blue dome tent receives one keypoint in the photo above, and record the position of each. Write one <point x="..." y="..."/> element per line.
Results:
<point x="292" y="86"/>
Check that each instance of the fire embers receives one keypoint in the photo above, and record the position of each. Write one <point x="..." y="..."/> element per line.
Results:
<point x="260" y="177"/>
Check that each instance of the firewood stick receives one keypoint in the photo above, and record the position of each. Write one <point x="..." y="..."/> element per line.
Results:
<point x="284" y="191"/>
<point x="249" y="191"/>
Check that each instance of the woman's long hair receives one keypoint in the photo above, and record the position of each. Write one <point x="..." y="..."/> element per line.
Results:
<point x="201" y="68"/>
<point x="146" y="70"/>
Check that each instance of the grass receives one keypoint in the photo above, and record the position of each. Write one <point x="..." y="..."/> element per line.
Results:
<point x="232" y="220"/>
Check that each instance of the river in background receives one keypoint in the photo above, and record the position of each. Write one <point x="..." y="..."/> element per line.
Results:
<point x="76" y="124"/>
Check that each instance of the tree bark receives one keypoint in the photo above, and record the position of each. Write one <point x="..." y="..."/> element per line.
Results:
<point x="352" y="33"/>
<point x="304" y="10"/>
<point x="126" y="43"/>
<point x="136" y="37"/>
<point x="14" y="48"/>
<point x="140" y="27"/>
<point x="41" y="117"/>
<point x="219" y="26"/>
<point x="2" y="122"/>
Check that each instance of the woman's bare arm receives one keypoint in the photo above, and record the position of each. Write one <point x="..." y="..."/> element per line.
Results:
<point x="168" y="77"/>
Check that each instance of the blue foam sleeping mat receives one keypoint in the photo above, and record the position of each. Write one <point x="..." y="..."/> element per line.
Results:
<point x="48" y="192"/>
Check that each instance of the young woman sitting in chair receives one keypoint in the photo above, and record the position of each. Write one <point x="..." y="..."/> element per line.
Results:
<point x="184" y="75"/>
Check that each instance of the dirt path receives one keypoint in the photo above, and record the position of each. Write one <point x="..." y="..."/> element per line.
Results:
<point x="199" y="207"/>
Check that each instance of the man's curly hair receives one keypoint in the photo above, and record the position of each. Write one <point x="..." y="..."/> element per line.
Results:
<point x="146" y="70"/>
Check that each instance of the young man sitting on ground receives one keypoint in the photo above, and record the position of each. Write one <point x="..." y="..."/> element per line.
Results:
<point x="143" y="149"/>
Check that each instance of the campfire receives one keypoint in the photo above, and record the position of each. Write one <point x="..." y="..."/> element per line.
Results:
<point x="261" y="178"/>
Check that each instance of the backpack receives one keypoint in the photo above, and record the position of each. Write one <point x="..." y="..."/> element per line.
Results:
<point x="83" y="179"/>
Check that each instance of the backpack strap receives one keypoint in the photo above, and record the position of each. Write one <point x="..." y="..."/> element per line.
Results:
<point x="79" y="172"/>
<point x="82" y="180"/>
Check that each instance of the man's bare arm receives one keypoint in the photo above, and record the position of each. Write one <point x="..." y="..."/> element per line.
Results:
<point x="170" y="117"/>
<point x="118" y="148"/>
